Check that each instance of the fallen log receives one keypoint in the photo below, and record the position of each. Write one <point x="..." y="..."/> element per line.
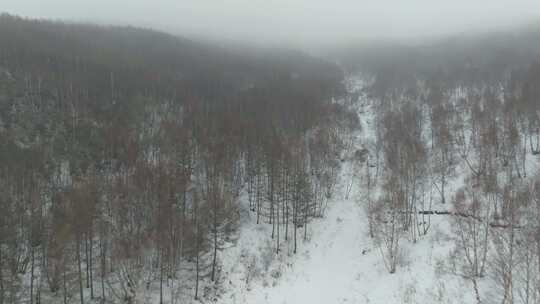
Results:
<point x="465" y="215"/>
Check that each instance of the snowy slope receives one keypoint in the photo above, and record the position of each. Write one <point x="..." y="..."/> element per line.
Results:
<point x="340" y="263"/>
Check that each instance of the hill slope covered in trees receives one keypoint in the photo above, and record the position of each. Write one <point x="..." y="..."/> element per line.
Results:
<point x="123" y="153"/>
<point x="140" y="167"/>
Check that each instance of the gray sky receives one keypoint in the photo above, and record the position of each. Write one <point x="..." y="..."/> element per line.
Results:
<point x="291" y="21"/>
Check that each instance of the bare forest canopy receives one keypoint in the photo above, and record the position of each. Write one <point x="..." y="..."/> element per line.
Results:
<point x="130" y="158"/>
<point x="123" y="152"/>
<point x="145" y="60"/>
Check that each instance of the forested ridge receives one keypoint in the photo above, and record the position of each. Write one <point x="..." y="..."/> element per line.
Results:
<point x="123" y="152"/>
<point x="141" y="167"/>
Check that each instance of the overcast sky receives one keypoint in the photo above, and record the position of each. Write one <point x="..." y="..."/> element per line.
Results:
<point x="292" y="21"/>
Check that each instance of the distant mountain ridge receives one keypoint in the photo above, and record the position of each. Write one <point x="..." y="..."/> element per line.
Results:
<point x="145" y="58"/>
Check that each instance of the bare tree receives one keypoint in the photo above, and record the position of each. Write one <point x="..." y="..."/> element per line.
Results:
<point x="472" y="231"/>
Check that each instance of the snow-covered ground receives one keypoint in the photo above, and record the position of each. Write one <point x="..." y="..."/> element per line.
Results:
<point x="340" y="263"/>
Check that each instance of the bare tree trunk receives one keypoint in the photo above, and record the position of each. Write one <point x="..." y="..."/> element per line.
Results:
<point x="44" y="266"/>
<point x="214" y="196"/>
<point x="91" y="264"/>
<point x="286" y="206"/>
<point x="214" y="258"/>
<point x="184" y="203"/>
<point x="509" y="289"/>
<point x="369" y="201"/>
<point x="528" y="276"/>
<point x="64" y="283"/>
<point x="103" y="250"/>
<point x="272" y="219"/>
<point x="251" y="184"/>
<point x="197" y="248"/>
<point x="295" y="221"/>
<point x="277" y="211"/>
<point x="443" y="179"/>
<point x="485" y="242"/>
<point x="2" y="288"/>
<point x="538" y="255"/>
<point x="161" y="276"/>
<point x="538" y="245"/>
<point x="476" y="291"/>
<point x="197" y="268"/>
<point x="306" y="207"/>
<point x="32" y="259"/>
<point x="258" y="196"/>
<point x="394" y="245"/>
<point x="87" y="260"/>
<point x="78" y="245"/>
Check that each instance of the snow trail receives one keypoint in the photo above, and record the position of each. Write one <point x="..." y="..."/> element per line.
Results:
<point x="330" y="267"/>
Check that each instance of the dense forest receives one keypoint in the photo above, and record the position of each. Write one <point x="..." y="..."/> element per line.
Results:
<point x="123" y="152"/>
<point x="132" y="161"/>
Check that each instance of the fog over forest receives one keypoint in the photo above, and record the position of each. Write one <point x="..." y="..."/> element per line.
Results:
<point x="292" y="22"/>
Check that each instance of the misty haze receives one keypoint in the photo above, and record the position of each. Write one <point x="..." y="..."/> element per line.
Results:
<point x="269" y="151"/>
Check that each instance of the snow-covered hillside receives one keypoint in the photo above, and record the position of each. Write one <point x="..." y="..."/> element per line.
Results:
<point x="340" y="263"/>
